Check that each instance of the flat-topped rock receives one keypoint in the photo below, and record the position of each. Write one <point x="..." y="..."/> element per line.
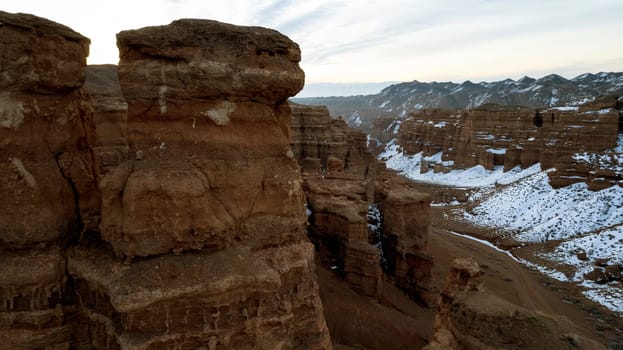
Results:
<point x="193" y="58"/>
<point x="39" y="55"/>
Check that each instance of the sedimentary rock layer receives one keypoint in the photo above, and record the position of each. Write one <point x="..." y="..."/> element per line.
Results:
<point x="49" y="178"/>
<point x="207" y="208"/>
<point x="200" y="59"/>
<point x="493" y="135"/>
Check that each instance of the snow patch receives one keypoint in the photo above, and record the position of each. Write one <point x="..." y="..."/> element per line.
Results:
<point x="410" y="165"/>
<point x="565" y="108"/>
<point x="496" y="150"/>
<point x="220" y="115"/>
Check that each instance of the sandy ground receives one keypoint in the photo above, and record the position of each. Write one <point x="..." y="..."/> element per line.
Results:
<point x="394" y="322"/>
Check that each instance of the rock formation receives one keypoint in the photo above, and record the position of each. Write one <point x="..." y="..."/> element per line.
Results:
<point x="109" y="114"/>
<point x="405" y="220"/>
<point x="469" y="317"/>
<point x="337" y="171"/>
<point x="343" y="182"/>
<point x="228" y="264"/>
<point x="494" y="135"/>
<point x="49" y="192"/>
<point x="178" y="221"/>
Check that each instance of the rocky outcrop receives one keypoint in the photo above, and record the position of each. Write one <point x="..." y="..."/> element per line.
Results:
<point x="47" y="169"/>
<point x="599" y="167"/>
<point x="322" y="144"/>
<point x="337" y="171"/>
<point x="405" y="220"/>
<point x="494" y="136"/>
<point x="198" y="237"/>
<point x="205" y="217"/>
<point x="345" y="189"/>
<point x="109" y="114"/>
<point x="469" y="317"/>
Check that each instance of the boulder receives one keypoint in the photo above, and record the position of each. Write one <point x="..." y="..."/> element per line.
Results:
<point x="469" y="317"/>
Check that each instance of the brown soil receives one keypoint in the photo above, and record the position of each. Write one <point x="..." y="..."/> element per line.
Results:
<point x="359" y="322"/>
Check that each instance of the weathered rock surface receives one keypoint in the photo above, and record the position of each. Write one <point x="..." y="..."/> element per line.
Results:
<point x="405" y="220"/>
<point x="469" y="317"/>
<point x="45" y="128"/>
<point x="40" y="56"/>
<point x="208" y="195"/>
<point x="322" y="144"/>
<point x="234" y="298"/>
<point x="200" y="59"/>
<point x="109" y="114"/>
<point x="203" y="158"/>
<point x="493" y="135"/>
<point x="49" y="187"/>
<point x="337" y="170"/>
<point x="342" y="182"/>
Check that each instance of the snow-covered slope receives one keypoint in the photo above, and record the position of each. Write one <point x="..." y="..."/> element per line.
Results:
<point x="478" y="176"/>
<point x="577" y="221"/>
<point x="521" y="202"/>
<point x="537" y="213"/>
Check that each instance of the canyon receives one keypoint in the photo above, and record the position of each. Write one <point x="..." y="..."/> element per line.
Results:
<point x="179" y="199"/>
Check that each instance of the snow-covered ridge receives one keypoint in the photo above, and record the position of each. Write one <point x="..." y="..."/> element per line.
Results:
<point x="549" y="91"/>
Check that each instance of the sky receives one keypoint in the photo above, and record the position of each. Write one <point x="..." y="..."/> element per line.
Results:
<point x="370" y="42"/>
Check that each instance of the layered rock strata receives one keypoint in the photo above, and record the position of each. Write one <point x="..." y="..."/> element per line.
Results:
<point x="337" y="170"/>
<point x="342" y="182"/>
<point x="207" y="211"/>
<point x="493" y="135"/>
<point x="47" y="169"/>
<point x="469" y="317"/>
<point x="404" y="236"/>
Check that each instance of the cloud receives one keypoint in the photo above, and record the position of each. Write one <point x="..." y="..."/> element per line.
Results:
<point x="348" y="40"/>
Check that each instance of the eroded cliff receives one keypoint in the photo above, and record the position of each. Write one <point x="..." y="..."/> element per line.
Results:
<point x="367" y="221"/>
<point x="470" y="317"/>
<point x="47" y="169"/>
<point x="177" y="221"/>
<point x="494" y="135"/>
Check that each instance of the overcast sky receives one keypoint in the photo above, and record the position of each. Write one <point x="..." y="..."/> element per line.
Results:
<point x="347" y="41"/>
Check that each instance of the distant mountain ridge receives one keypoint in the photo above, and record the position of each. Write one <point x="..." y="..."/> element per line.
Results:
<point x="398" y="99"/>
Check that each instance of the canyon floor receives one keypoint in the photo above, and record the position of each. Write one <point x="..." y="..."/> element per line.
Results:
<point x="396" y="320"/>
<point x="517" y="282"/>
